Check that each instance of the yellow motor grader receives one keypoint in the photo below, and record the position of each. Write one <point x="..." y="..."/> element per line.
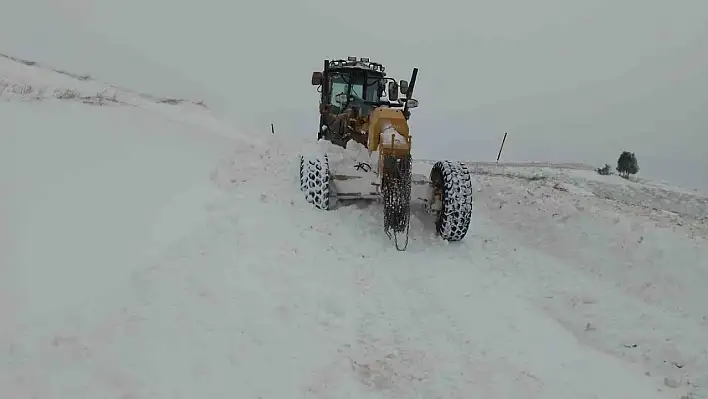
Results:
<point x="360" y="106"/>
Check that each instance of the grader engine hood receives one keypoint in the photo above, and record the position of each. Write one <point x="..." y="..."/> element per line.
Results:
<point x="388" y="132"/>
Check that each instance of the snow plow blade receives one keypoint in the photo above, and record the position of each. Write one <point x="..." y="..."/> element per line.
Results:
<point x="353" y="187"/>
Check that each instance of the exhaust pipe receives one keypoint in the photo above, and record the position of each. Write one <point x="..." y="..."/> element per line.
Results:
<point x="409" y="93"/>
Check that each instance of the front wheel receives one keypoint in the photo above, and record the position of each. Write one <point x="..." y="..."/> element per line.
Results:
<point x="314" y="181"/>
<point x="452" y="181"/>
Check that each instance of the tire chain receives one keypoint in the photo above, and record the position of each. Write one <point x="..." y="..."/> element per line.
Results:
<point x="396" y="192"/>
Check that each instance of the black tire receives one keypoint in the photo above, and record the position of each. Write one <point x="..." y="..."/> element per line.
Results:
<point x="314" y="181"/>
<point x="454" y="182"/>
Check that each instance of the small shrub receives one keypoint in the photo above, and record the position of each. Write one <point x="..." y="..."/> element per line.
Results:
<point x="605" y="170"/>
<point x="65" y="94"/>
<point x="22" y="89"/>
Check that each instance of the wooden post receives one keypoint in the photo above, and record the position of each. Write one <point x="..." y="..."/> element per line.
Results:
<point x="502" y="147"/>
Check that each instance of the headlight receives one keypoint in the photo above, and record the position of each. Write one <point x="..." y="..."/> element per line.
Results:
<point x="412" y="103"/>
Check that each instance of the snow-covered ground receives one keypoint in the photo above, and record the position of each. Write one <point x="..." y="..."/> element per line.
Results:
<point x="152" y="251"/>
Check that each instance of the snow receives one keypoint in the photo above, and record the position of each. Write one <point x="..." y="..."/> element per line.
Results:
<point x="389" y="135"/>
<point x="156" y="252"/>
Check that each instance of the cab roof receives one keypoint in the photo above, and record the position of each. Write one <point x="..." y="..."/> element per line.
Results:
<point x="359" y="64"/>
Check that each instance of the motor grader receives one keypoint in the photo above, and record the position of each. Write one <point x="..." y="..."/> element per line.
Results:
<point x="361" y="108"/>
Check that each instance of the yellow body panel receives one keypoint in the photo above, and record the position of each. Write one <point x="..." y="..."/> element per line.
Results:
<point x="380" y="118"/>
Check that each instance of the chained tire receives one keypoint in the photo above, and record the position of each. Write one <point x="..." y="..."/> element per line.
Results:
<point x="314" y="181"/>
<point x="453" y="181"/>
<point x="396" y="192"/>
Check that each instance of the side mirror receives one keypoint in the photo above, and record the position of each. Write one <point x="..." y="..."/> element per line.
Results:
<point x="393" y="91"/>
<point x="412" y="103"/>
<point x="404" y="86"/>
<point x="316" y="78"/>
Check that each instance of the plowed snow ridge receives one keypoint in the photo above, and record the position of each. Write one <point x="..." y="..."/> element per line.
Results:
<point x="155" y="253"/>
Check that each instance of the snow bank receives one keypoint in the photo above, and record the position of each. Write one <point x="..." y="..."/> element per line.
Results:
<point x="89" y="188"/>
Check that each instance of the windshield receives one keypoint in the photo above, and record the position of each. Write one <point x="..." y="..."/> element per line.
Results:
<point x="354" y="86"/>
<point x="339" y="85"/>
<point x="372" y="88"/>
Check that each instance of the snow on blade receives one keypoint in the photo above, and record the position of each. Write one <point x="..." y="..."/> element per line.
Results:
<point x="155" y="253"/>
<point x="389" y="135"/>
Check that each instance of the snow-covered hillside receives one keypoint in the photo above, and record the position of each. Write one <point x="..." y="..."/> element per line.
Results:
<point x="152" y="251"/>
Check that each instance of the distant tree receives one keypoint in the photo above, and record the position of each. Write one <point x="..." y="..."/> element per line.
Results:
<point x="605" y="170"/>
<point x="634" y="165"/>
<point x="627" y="164"/>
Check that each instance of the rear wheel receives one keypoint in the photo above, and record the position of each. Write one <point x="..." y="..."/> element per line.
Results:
<point x="314" y="181"/>
<point x="453" y="182"/>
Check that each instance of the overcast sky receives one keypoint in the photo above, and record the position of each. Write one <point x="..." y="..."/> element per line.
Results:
<point x="569" y="80"/>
